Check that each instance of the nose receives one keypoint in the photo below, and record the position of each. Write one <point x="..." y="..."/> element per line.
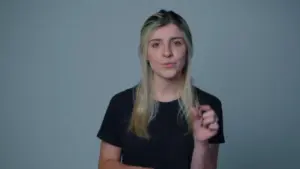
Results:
<point x="167" y="51"/>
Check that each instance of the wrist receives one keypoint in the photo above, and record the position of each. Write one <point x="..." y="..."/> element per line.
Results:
<point x="201" y="144"/>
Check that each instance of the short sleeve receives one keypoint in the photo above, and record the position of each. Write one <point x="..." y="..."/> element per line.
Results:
<point x="219" y="137"/>
<point x="110" y="129"/>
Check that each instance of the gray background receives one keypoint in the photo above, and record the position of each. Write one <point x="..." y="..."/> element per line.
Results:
<point x="61" y="61"/>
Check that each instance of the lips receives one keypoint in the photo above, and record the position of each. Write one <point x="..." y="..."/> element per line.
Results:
<point x="169" y="64"/>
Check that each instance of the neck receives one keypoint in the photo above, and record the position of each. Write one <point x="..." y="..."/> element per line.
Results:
<point x="167" y="89"/>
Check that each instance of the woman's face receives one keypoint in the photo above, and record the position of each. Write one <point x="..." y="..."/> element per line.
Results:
<point x="167" y="51"/>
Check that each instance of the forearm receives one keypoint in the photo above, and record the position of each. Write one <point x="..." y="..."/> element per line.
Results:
<point x="113" y="164"/>
<point x="202" y="158"/>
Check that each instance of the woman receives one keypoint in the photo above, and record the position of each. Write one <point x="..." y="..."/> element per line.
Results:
<point x="164" y="122"/>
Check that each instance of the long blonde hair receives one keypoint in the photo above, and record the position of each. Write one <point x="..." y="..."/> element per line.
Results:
<point x="145" y="107"/>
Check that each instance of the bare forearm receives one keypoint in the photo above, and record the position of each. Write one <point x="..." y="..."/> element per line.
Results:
<point x="202" y="158"/>
<point x="113" y="164"/>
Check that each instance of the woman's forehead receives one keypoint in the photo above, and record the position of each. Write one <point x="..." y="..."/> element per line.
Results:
<point x="168" y="31"/>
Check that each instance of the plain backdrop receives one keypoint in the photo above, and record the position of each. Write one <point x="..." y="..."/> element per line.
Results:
<point x="62" y="60"/>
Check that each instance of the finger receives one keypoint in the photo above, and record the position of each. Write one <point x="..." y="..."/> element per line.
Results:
<point x="213" y="126"/>
<point x="205" y="108"/>
<point x="208" y="120"/>
<point x="210" y="113"/>
<point x="195" y="113"/>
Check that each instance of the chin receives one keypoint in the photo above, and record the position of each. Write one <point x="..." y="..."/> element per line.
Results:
<point x="168" y="75"/>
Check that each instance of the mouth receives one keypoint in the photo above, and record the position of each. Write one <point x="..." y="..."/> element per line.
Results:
<point x="169" y="65"/>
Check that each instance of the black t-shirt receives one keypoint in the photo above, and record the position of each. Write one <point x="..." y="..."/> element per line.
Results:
<point x="170" y="147"/>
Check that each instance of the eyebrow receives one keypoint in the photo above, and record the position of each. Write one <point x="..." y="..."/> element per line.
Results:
<point x="172" y="38"/>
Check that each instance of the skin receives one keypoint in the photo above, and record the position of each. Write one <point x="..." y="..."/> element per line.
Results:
<point x="205" y="155"/>
<point x="166" y="45"/>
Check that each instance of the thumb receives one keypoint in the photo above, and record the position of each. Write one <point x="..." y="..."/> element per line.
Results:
<point x="204" y="108"/>
<point x="195" y="113"/>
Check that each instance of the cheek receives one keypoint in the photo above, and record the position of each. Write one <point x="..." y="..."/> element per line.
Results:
<point x="182" y="62"/>
<point x="179" y="51"/>
<point x="152" y="56"/>
<point x="151" y="59"/>
<point x="181" y="56"/>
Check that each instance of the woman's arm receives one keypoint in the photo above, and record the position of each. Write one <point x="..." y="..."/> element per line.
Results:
<point x="205" y="156"/>
<point x="109" y="158"/>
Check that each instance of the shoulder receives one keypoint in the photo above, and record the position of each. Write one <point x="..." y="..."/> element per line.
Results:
<point x="116" y="115"/>
<point x="120" y="105"/>
<point x="206" y="97"/>
<point x="124" y="96"/>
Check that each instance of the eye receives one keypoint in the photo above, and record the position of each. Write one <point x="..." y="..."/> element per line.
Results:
<point x="155" y="45"/>
<point x="178" y="43"/>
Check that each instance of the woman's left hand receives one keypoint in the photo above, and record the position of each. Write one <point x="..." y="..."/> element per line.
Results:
<point x="205" y="123"/>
